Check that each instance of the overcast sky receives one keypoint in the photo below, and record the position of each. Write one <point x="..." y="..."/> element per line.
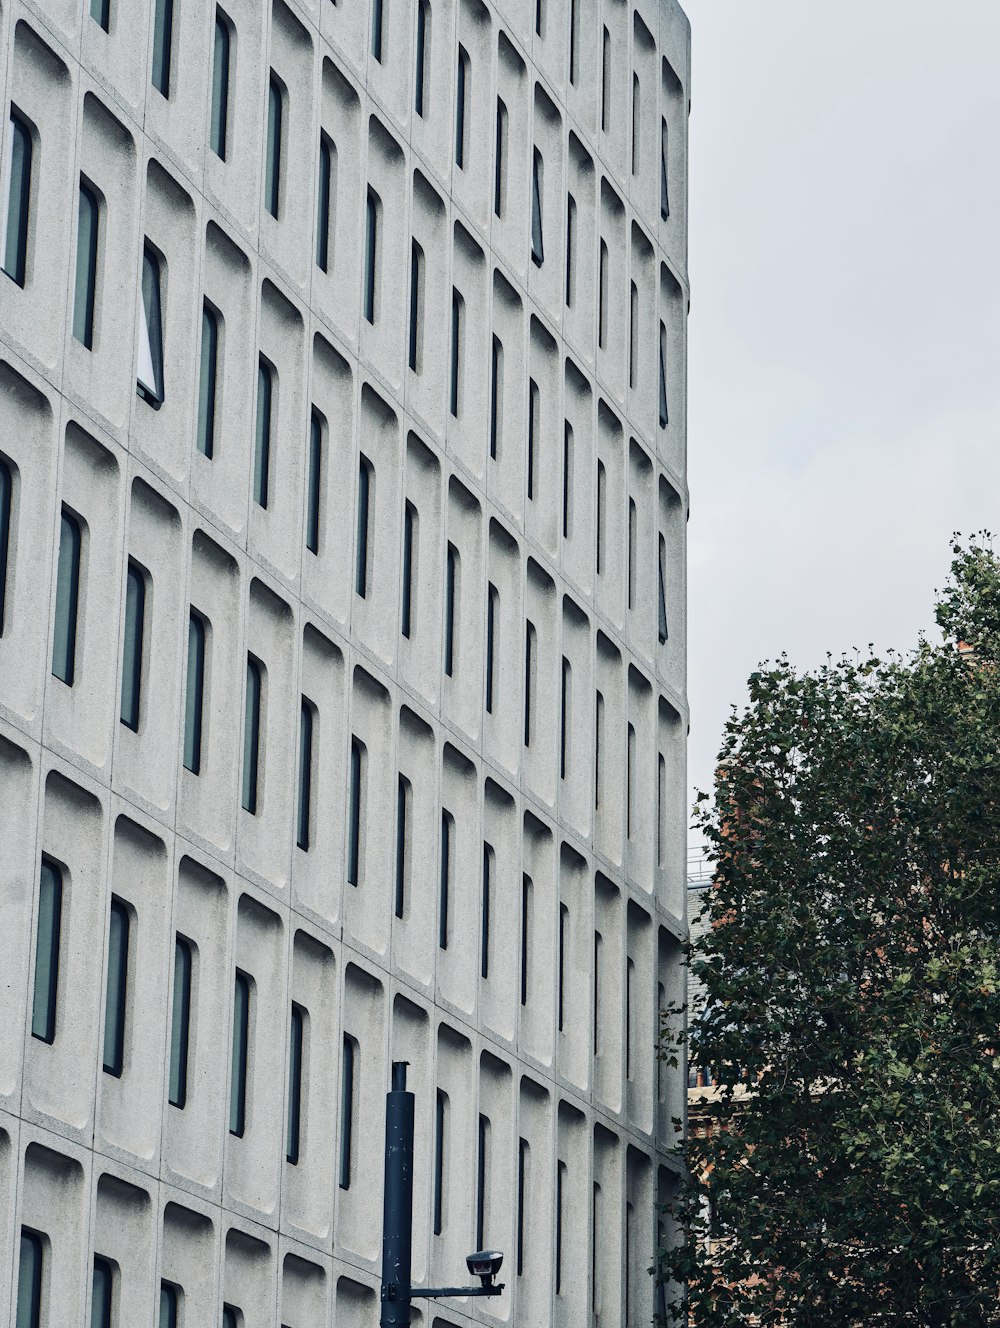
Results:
<point x="844" y="364"/>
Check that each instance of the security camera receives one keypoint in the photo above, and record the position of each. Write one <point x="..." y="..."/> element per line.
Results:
<point x="484" y="1264"/>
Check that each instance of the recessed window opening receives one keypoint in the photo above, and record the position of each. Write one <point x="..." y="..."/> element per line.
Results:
<point x="636" y="121"/>
<point x="168" y="1305"/>
<point x="357" y="809"/>
<point x="48" y="929"/>
<point x="293" y="1124"/>
<point x="595" y="1206"/>
<point x="324" y="194"/>
<point x="409" y="559"/>
<point x="629" y="975"/>
<point x="314" y="480"/>
<point x="664" y="176"/>
<point x="664" y="414"/>
<point x="500" y="163"/>
<point x="415" y="356"/>
<point x="482" y="1172"/>
<point x="447" y="868"/>
<point x="272" y="165"/>
<point x="560" y="1196"/>
<point x="231" y="1318"/>
<point x="366" y="483"/>
<point x="372" y="209"/>
<point x="633" y="548"/>
<point x="404" y="804"/>
<point x="348" y="1100"/>
<point x="602" y="297"/>
<point x="461" y="105"/>
<point x="661" y="1000"/>
<point x="598" y="746"/>
<point x="570" y="249"/>
<point x="451" y="593"/>
<point x="194" y="695"/>
<point x="537" y="241"/>
<point x="574" y="42"/>
<point x="539" y="18"/>
<point x="17" y="202"/>
<point x="457" y="358"/>
<point x="567" y="495"/>
<point x="661" y="811"/>
<point x="377" y="17"/>
<point x="67" y="599"/>
<point x="116" y="990"/>
<point x="489" y="863"/>
<point x="262" y="436"/>
<point x="100" y="12"/>
<point x="163" y="40"/>
<point x="251" y="734"/>
<point x="6" y="502"/>
<point x="606" y="81"/>
<point x="29" y="1280"/>
<point x="423" y="39"/>
<point x="633" y="335"/>
<point x="208" y="380"/>
<point x="662" y="596"/>
<point x="241" y="1042"/>
<point x="180" y="1022"/>
<point x="492" y="663"/>
<point x="135" y="615"/>
<point x="526" y="921"/>
<point x="630" y="784"/>
<point x="529" y="682"/>
<point x="304" y="809"/>
<point x="534" y="409"/>
<point x="219" y="130"/>
<point x="597" y="992"/>
<point x="85" y="285"/>
<point x="496" y="396"/>
<point x="523" y="1163"/>
<point x="564" y="717"/>
<point x="102" y="1290"/>
<point x="602" y="514"/>
<point x="149" y="376"/>
<point x="563" y="929"/>
<point x="440" y="1144"/>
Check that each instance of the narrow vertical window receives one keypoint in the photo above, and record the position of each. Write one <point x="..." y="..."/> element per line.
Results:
<point x="149" y="375"/>
<point x="602" y="297"/>
<point x="363" y="554"/>
<point x="574" y="42"/>
<point x="564" y="717"/>
<point x="570" y="249"/>
<point x="354" y="828"/>
<point x="18" y="200"/>
<point x="29" y="1280"/>
<point x="251" y="734"/>
<point x="482" y="1171"/>
<point x="602" y="514"/>
<point x="440" y="1125"/>
<point x="445" y="871"/>
<point x="102" y="1288"/>
<point x="303" y="819"/>
<point x="6" y="492"/>
<point x="633" y="335"/>
<point x="67" y="600"/>
<point x="537" y="242"/>
<point x="423" y="36"/>
<point x="451" y="591"/>
<point x="630" y="784"/>
<point x="180" y="1022"/>
<point x="194" y="695"/>
<point x="116" y="992"/>
<point x="272" y="165"/>
<point x="636" y="118"/>
<point x="220" y="88"/>
<point x="168" y="1306"/>
<point x="238" y="1068"/>
<point x="539" y="18"/>
<point x="533" y="414"/>
<point x="664" y="176"/>
<point x="85" y="284"/>
<point x="262" y="436"/>
<point x="461" y="105"/>
<point x="293" y="1125"/>
<point x="100" y="12"/>
<point x="135" y="616"/>
<point x="456" y="352"/>
<point x="377" y="30"/>
<point x="163" y="40"/>
<point x="662" y="596"/>
<point x="409" y="549"/>
<point x="371" y="255"/>
<point x="523" y="1162"/>
<point x="500" y="161"/>
<point x="664" y="414"/>
<point x="484" y="955"/>
<point x="529" y="681"/>
<point x="595" y="1204"/>
<point x="567" y="503"/>
<point x="323" y="203"/>
<point x="347" y="1111"/>
<point x="492" y="606"/>
<point x="661" y="810"/>
<point x="560" y="1198"/>
<point x="598" y="747"/>
<point x="496" y="396"/>
<point x="315" y="481"/>
<point x="563" y="927"/>
<point x="208" y="380"/>
<point x="629" y="975"/>
<point x="525" y="933"/>
<point x="597" y="991"/>
<point x="633" y="550"/>
<point x="404" y="799"/>
<point x="416" y="305"/>
<point x="661" y="1000"/>
<point x="606" y="80"/>
<point x="48" y="927"/>
<point x="229" y="1317"/>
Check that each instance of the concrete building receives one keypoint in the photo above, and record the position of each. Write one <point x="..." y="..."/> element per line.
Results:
<point x="342" y="667"/>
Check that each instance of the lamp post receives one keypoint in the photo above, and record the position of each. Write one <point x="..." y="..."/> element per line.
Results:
<point x="397" y="1218"/>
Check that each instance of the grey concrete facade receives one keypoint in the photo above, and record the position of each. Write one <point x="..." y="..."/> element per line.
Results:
<point x="342" y="665"/>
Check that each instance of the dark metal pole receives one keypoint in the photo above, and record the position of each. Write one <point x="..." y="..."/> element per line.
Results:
<point x="397" y="1213"/>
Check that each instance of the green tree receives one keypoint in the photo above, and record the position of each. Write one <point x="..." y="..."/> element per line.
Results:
<point x="852" y="970"/>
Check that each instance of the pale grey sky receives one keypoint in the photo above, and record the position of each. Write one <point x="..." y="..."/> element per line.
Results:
<point x="844" y="365"/>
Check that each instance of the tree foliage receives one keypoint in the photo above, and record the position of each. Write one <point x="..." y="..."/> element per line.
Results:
<point x="852" y="970"/>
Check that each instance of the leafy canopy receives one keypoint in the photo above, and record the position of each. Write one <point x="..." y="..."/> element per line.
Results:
<point x="849" y="1173"/>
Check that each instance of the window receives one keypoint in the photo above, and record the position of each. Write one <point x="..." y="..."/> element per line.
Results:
<point x="598" y="746"/>
<point x="303" y="819"/>
<point x="372" y="209"/>
<point x="664" y="176"/>
<point x="567" y="513"/>
<point x="482" y="1171"/>
<point x="163" y="38"/>
<point x="533" y="413"/>
<point x="47" y="932"/>
<point x="241" y="1038"/>
<point x="451" y="592"/>
<point x="630" y="784"/>
<point x="606" y="81"/>
<point x="347" y="1111"/>
<point x="135" y="614"/>
<point x="661" y="811"/>
<point x="496" y="396"/>
<point x="489" y="861"/>
<point x="633" y="335"/>
<point x="537" y="244"/>
<point x="597" y="990"/>
<point x="525" y="930"/>
<point x="563" y="926"/>
<point x="446" y="870"/>
<point x="6" y="492"/>
<point x="461" y="105"/>
<point x="416" y="306"/>
<point x="529" y="681"/>
<point x="492" y="667"/>
<point x="404" y="802"/>
<point x="220" y="88"/>
<point x="457" y="319"/>
<point x="602" y="298"/>
<point x="194" y="695"/>
<point x="423" y="38"/>
<point x="85" y="285"/>
<point x="377" y="30"/>
<point x="540" y="18"/>
<point x="208" y="380"/>
<point x="574" y="43"/>
<point x="633" y="542"/>
<point x="570" y="249"/>
<point x="629" y="974"/>
<point x="523" y="1161"/>
<point x="357" y="799"/>
<point x="100" y="12"/>
<point x="564" y="719"/>
<point x="18" y="200"/>
<point x="103" y="1286"/>
<point x="272" y="167"/>
<point x="168" y="1305"/>
<point x="602" y="513"/>
<point x="664" y="414"/>
<point x="440" y="1127"/>
<point x="294" y="1123"/>
<point x="500" y="163"/>
<point x="315" y="477"/>
<point x="262" y="434"/>
<point x="595" y="1204"/>
<point x="636" y="118"/>
<point x="149" y="376"/>
<point x="251" y="734"/>
<point x="560" y="1193"/>
<point x="115" y="997"/>
<point x="662" y="597"/>
<point x="67" y="599"/>
<point x="409" y="551"/>
<point x="29" y="1280"/>
<point x="323" y="203"/>
<point x="365" y="484"/>
<point x="180" y="1022"/>
<point x="230" y="1317"/>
